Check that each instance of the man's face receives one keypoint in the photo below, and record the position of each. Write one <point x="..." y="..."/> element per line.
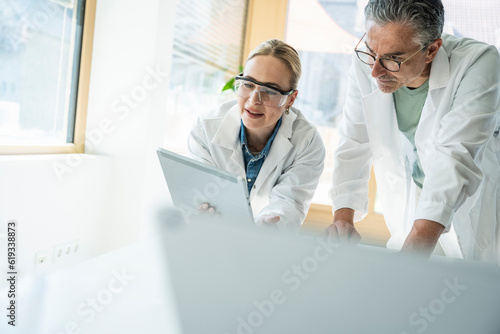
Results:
<point x="397" y="41"/>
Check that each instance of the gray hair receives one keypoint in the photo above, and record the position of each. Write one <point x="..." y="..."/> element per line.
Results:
<point x="425" y="16"/>
<point x="284" y="52"/>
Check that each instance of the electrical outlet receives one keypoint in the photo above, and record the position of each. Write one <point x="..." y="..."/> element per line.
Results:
<point x="68" y="249"/>
<point x="59" y="250"/>
<point x="41" y="258"/>
<point x="74" y="247"/>
<point x="65" y="250"/>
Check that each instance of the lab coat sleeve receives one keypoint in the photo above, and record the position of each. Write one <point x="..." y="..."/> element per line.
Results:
<point x="352" y="158"/>
<point x="455" y="172"/>
<point x="198" y="144"/>
<point x="291" y="196"/>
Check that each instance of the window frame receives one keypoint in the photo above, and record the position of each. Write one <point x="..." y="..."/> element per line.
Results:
<point x="78" y="145"/>
<point x="265" y="20"/>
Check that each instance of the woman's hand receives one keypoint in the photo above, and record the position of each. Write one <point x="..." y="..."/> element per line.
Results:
<point x="206" y="208"/>
<point x="267" y="220"/>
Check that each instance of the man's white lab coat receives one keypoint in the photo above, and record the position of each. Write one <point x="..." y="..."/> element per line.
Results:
<point x="290" y="174"/>
<point x="458" y="151"/>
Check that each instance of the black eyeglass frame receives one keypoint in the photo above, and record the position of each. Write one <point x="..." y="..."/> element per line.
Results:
<point x="282" y="92"/>
<point x="383" y="58"/>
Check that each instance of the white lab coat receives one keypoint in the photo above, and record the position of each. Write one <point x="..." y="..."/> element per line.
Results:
<point x="290" y="174"/>
<point x="459" y="153"/>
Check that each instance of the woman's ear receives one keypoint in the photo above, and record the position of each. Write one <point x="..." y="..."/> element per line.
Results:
<point x="293" y="96"/>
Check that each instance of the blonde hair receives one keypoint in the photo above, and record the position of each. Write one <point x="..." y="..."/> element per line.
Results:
<point x="284" y="52"/>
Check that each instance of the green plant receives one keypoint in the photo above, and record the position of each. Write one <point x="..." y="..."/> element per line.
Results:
<point x="230" y="83"/>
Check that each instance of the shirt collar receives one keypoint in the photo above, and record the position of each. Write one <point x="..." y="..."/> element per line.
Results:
<point x="265" y="151"/>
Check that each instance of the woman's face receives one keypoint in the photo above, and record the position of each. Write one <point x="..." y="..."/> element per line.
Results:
<point x="270" y="71"/>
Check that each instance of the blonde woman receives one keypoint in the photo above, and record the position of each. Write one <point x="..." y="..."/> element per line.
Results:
<point x="261" y="137"/>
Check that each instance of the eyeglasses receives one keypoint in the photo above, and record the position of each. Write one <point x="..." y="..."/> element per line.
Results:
<point x="389" y="64"/>
<point x="268" y="95"/>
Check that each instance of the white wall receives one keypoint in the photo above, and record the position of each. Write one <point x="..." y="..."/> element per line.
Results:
<point x="105" y="198"/>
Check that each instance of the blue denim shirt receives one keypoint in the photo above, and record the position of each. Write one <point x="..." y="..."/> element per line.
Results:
<point x="254" y="163"/>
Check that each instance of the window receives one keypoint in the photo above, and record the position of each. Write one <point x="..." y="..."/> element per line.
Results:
<point x="324" y="32"/>
<point x="207" y="52"/>
<point x="479" y="20"/>
<point x="45" y="51"/>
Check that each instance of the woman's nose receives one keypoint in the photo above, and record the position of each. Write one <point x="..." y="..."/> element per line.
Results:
<point x="255" y="97"/>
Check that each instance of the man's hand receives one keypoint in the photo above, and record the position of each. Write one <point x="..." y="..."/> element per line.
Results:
<point x="423" y="237"/>
<point x="342" y="229"/>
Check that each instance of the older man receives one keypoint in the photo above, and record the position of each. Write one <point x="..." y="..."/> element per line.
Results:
<point x="423" y="109"/>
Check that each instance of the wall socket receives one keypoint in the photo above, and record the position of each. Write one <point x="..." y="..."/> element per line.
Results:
<point x="60" y="251"/>
<point x="41" y="258"/>
<point x="66" y="249"/>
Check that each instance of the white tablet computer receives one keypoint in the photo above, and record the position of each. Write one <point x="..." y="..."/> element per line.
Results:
<point x="192" y="183"/>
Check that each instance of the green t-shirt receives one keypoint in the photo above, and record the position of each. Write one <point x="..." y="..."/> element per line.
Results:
<point x="409" y="104"/>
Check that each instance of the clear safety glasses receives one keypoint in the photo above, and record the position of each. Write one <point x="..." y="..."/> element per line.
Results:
<point x="268" y="95"/>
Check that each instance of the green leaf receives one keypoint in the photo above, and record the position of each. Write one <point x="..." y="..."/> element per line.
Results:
<point x="229" y="85"/>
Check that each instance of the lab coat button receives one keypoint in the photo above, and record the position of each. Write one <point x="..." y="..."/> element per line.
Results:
<point x="254" y="186"/>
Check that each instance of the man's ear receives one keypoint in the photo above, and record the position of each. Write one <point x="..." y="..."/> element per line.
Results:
<point x="432" y="50"/>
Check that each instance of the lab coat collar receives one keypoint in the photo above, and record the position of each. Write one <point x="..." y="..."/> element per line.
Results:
<point x="439" y="78"/>
<point x="381" y="121"/>
<point x="227" y="135"/>
<point x="287" y="124"/>
<point x="440" y="70"/>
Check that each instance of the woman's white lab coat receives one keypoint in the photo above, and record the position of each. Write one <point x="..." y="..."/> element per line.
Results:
<point x="459" y="153"/>
<point x="290" y="174"/>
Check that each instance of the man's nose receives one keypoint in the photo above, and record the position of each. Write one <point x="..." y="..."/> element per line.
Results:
<point x="255" y="97"/>
<point x="377" y="69"/>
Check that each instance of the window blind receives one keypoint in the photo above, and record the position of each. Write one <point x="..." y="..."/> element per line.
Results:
<point x="210" y="32"/>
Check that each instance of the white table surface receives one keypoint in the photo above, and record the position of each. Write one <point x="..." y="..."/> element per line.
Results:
<point x="127" y="291"/>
